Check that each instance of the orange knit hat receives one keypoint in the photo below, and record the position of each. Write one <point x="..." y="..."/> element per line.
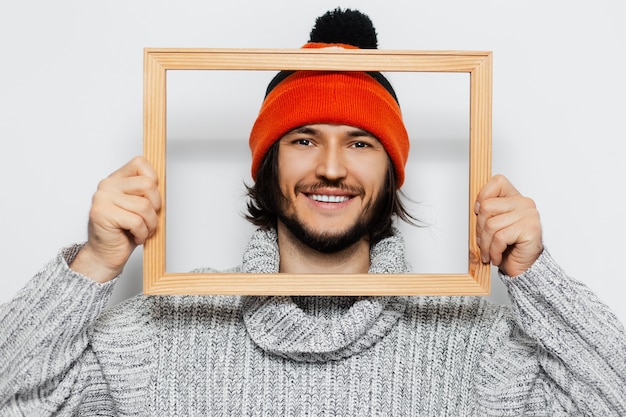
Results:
<point x="361" y="99"/>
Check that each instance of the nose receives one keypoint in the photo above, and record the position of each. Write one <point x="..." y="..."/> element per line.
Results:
<point x="331" y="163"/>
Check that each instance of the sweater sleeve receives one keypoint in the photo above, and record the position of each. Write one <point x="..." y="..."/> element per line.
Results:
<point x="561" y="352"/>
<point x="46" y="366"/>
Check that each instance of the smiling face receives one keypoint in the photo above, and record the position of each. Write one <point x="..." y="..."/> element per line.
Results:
<point x="333" y="178"/>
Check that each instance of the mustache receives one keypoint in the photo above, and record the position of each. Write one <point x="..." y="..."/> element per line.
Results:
<point x="340" y="185"/>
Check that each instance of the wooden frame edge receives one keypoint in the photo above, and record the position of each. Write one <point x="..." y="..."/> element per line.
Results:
<point x="158" y="61"/>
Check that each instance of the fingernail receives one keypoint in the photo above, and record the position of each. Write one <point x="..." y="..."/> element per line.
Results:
<point x="476" y="207"/>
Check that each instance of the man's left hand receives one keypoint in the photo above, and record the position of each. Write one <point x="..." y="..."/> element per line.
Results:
<point x="508" y="230"/>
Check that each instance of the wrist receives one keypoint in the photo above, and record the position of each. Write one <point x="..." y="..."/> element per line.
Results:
<point x="89" y="264"/>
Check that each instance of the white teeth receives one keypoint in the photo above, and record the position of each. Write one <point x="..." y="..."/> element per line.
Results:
<point x="329" y="198"/>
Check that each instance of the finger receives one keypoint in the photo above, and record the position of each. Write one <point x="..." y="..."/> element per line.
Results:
<point x="500" y="205"/>
<point x="138" y="166"/>
<point x="496" y="214"/>
<point x="497" y="186"/>
<point x="117" y="194"/>
<point x="487" y="228"/>
<point x="141" y="169"/>
<point x="498" y="240"/>
<point x="141" y="186"/>
<point x="138" y="228"/>
<point x="515" y="233"/>
<point x="134" y="225"/>
<point x="144" y="210"/>
<point x="124" y="215"/>
<point x="515" y="259"/>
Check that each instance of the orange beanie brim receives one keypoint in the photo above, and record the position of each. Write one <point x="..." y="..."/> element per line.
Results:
<point x="348" y="98"/>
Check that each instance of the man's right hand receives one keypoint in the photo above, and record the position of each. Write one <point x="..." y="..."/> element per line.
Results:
<point x="123" y="215"/>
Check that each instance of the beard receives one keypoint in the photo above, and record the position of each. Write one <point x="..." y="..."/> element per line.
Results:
<point x="329" y="242"/>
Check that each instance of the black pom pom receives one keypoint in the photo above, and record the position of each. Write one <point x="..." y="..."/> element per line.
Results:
<point x="350" y="27"/>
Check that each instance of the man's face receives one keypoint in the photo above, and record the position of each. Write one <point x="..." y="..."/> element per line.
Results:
<point x="333" y="178"/>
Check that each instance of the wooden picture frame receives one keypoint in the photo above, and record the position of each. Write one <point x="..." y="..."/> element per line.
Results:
<point x="479" y="66"/>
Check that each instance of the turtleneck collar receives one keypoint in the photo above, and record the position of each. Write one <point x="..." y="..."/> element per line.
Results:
<point x="316" y="329"/>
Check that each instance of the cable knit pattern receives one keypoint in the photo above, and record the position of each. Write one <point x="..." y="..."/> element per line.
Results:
<point x="323" y="332"/>
<point x="557" y="352"/>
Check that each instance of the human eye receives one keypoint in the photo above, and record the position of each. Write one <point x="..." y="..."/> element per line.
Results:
<point x="360" y="144"/>
<point x="302" y="141"/>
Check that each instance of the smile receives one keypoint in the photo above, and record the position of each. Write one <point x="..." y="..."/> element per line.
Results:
<point x="329" y="198"/>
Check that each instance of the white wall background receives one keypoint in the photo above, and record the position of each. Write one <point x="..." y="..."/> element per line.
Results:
<point x="71" y="112"/>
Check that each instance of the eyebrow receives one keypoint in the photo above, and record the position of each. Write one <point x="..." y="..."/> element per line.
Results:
<point x="308" y="130"/>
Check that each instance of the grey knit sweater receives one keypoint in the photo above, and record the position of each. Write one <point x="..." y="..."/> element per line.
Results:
<point x="557" y="352"/>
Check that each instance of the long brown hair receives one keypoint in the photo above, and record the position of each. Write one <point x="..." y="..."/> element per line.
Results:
<point x="265" y="198"/>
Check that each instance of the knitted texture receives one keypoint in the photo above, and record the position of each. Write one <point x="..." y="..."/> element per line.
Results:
<point x="346" y="98"/>
<point x="296" y="331"/>
<point x="558" y="352"/>
<point x="361" y="99"/>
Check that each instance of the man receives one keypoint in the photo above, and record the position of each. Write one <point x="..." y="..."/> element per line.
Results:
<point x="326" y="176"/>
